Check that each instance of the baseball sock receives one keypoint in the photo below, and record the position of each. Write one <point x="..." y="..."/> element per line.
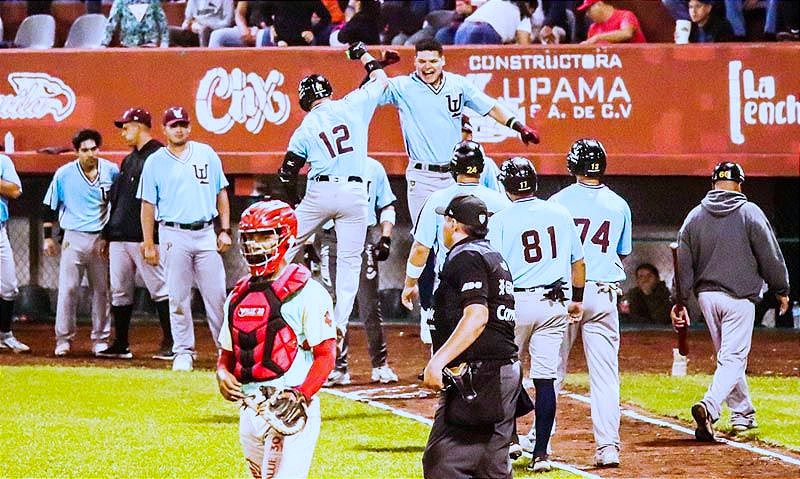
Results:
<point x="545" y="413"/>
<point x="6" y="312"/>
<point x="122" y="322"/>
<point x="162" y="307"/>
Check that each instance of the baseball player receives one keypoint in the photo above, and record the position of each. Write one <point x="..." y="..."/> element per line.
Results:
<point x="465" y="166"/>
<point x="124" y="234"/>
<point x="541" y="247"/>
<point x="490" y="169"/>
<point x="376" y="249"/>
<point x="184" y="182"/>
<point x="78" y="199"/>
<point x="727" y="251"/>
<point x="277" y="346"/>
<point x="603" y="220"/>
<point x="10" y="187"/>
<point x="333" y="139"/>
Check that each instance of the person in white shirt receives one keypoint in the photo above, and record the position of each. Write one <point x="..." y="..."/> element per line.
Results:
<point x="496" y="22"/>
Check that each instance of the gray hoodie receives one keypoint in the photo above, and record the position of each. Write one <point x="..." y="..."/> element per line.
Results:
<point x="727" y="244"/>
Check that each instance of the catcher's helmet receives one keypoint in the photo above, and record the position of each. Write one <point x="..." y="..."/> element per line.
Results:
<point x="267" y="230"/>
<point x="467" y="159"/>
<point x="587" y="157"/>
<point x="518" y="176"/>
<point x="311" y="88"/>
<point x="728" y="171"/>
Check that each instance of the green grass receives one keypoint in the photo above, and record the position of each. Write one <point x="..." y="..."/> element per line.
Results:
<point x="775" y="399"/>
<point x="95" y="422"/>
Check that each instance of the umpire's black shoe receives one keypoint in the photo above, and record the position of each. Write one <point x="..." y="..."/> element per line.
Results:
<point x="165" y="353"/>
<point x="115" y="351"/>
<point x="705" y="427"/>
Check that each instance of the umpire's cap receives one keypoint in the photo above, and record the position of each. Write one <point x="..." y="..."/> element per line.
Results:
<point x="728" y="171"/>
<point x="518" y="176"/>
<point x="467" y="159"/>
<point x="139" y="115"/>
<point x="469" y="210"/>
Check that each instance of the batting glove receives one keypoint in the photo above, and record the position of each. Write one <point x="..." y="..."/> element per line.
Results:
<point x="382" y="248"/>
<point x="356" y="51"/>
<point x="390" y="57"/>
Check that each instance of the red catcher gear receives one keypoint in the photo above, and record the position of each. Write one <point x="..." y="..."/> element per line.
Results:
<point x="264" y="345"/>
<point x="275" y="220"/>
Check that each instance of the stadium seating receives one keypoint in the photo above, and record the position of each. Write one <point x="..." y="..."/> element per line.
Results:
<point x="87" y="31"/>
<point x="36" y="31"/>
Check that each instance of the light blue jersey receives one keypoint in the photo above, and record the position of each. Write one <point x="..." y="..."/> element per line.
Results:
<point x="489" y="176"/>
<point x="380" y="193"/>
<point x="7" y="173"/>
<point x="431" y="119"/>
<point x="82" y="205"/>
<point x="429" y="225"/>
<point x="184" y="190"/>
<point x="603" y="220"/>
<point x="333" y="135"/>
<point x="538" y="240"/>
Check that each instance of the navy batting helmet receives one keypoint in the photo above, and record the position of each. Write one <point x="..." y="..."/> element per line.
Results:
<point x="467" y="159"/>
<point x="518" y="176"/>
<point x="587" y="157"/>
<point x="728" y="171"/>
<point x="312" y="88"/>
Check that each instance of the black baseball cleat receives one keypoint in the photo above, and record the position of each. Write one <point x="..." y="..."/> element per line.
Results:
<point x="115" y="351"/>
<point x="165" y="353"/>
<point x="705" y="427"/>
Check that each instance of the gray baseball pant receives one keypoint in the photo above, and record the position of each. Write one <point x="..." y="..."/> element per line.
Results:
<point x="540" y="326"/>
<point x="79" y="255"/>
<point x="730" y="324"/>
<point x="8" y="270"/>
<point x="125" y="260"/>
<point x="420" y="184"/>
<point x="189" y="257"/>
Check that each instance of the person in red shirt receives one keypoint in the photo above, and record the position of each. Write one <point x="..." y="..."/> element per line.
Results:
<point x="611" y="25"/>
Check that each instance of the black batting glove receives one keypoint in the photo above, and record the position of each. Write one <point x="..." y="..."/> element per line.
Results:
<point x="529" y="135"/>
<point x="310" y="255"/>
<point x="382" y="248"/>
<point x="356" y="51"/>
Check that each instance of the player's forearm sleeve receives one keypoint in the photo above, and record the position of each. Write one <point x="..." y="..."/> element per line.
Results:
<point x="288" y="172"/>
<point x="324" y="360"/>
<point x="48" y="214"/>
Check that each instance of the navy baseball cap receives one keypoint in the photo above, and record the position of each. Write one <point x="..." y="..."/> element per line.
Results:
<point x="134" y="114"/>
<point x="728" y="171"/>
<point x="175" y="114"/>
<point x="469" y="210"/>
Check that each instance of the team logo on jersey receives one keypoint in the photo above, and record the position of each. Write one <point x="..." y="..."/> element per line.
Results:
<point x="455" y="105"/>
<point x="37" y="95"/>
<point x="201" y="173"/>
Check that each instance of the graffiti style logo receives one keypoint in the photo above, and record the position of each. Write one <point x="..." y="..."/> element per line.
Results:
<point x="252" y="100"/>
<point x="36" y="95"/>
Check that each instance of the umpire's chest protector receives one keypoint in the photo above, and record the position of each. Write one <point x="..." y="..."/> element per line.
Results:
<point x="264" y="344"/>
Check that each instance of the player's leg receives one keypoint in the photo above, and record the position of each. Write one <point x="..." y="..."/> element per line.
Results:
<point x="371" y="314"/>
<point x="155" y="281"/>
<point x="327" y="253"/>
<point x="97" y="274"/>
<point x="8" y="292"/>
<point x="175" y="247"/>
<point x="298" y="449"/>
<point x="210" y="276"/>
<point x="70" y="271"/>
<point x="252" y="429"/>
<point x="351" y="230"/>
<point x="312" y="212"/>
<point x="122" y="269"/>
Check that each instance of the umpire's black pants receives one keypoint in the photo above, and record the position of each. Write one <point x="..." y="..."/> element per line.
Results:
<point x="368" y="300"/>
<point x="453" y="452"/>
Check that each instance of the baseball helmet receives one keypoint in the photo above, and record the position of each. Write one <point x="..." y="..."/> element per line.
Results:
<point x="587" y="157"/>
<point x="467" y="159"/>
<point x="312" y="88"/>
<point x="267" y="230"/>
<point x="728" y="171"/>
<point x="518" y="176"/>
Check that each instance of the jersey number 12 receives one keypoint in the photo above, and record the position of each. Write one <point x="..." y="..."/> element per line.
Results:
<point x="341" y="135"/>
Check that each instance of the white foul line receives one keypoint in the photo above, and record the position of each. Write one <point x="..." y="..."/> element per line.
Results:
<point x="676" y="427"/>
<point x="353" y="396"/>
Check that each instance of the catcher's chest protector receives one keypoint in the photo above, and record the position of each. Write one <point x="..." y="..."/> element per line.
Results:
<point x="263" y="343"/>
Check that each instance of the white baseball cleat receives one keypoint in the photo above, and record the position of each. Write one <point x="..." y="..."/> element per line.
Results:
<point x="540" y="464"/>
<point x="384" y="375"/>
<point x="182" y="362"/>
<point x="337" y="378"/>
<point x="7" y="340"/>
<point x="607" y="456"/>
<point x="424" y="328"/>
<point x="99" y="346"/>
<point x="62" y="349"/>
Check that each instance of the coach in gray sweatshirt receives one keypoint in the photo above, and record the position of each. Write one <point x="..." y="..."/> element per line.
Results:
<point x="727" y="251"/>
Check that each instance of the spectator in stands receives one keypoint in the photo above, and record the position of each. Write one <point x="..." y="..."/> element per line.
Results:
<point x="649" y="301"/>
<point x="291" y="23"/>
<point x="789" y="11"/>
<point x="251" y="20"/>
<point x="708" y="24"/>
<point x="496" y="22"/>
<point x="200" y="19"/>
<point x="339" y="17"/>
<point x="365" y="25"/>
<point x="142" y="23"/>
<point x="734" y="13"/>
<point x="611" y="25"/>
<point x="446" y="35"/>
<point x="550" y="23"/>
<point x="403" y="18"/>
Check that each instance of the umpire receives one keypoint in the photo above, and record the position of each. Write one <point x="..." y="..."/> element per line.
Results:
<point x="473" y="338"/>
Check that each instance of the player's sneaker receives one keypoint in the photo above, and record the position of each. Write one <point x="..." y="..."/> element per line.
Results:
<point x="338" y="378"/>
<point x="99" y="346"/>
<point x="7" y="340"/>
<point x="384" y="374"/>
<point x="705" y="427"/>
<point x="528" y="442"/>
<point x="424" y="329"/>
<point x="165" y="353"/>
<point x="742" y="423"/>
<point x="62" y="349"/>
<point x="540" y="464"/>
<point x="115" y="351"/>
<point x="182" y="362"/>
<point x="607" y="456"/>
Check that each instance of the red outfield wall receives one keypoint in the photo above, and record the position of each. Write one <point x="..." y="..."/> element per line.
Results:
<point x="659" y="109"/>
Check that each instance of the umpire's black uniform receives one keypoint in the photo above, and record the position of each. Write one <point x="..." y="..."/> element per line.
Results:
<point x="474" y="273"/>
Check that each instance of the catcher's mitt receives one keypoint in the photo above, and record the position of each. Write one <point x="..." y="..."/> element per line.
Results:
<point x="284" y="410"/>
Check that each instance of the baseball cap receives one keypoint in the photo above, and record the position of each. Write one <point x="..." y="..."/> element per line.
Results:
<point x="465" y="124"/>
<point x="586" y="4"/>
<point x="728" y="171"/>
<point x="469" y="210"/>
<point x="134" y="114"/>
<point x="175" y="114"/>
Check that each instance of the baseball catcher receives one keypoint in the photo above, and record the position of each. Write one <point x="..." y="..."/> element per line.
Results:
<point x="278" y="345"/>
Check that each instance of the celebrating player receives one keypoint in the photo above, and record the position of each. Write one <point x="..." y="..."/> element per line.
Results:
<point x="10" y="187"/>
<point x="78" y="194"/>
<point x="277" y="346"/>
<point x="185" y="183"/>
<point x="603" y="219"/>
<point x="333" y="140"/>
<point x="727" y="250"/>
<point x="541" y="246"/>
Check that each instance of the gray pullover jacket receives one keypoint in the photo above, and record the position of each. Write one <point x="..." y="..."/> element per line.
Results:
<point x="727" y="244"/>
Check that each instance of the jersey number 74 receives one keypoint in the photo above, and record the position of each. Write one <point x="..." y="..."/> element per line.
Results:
<point x="600" y="236"/>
